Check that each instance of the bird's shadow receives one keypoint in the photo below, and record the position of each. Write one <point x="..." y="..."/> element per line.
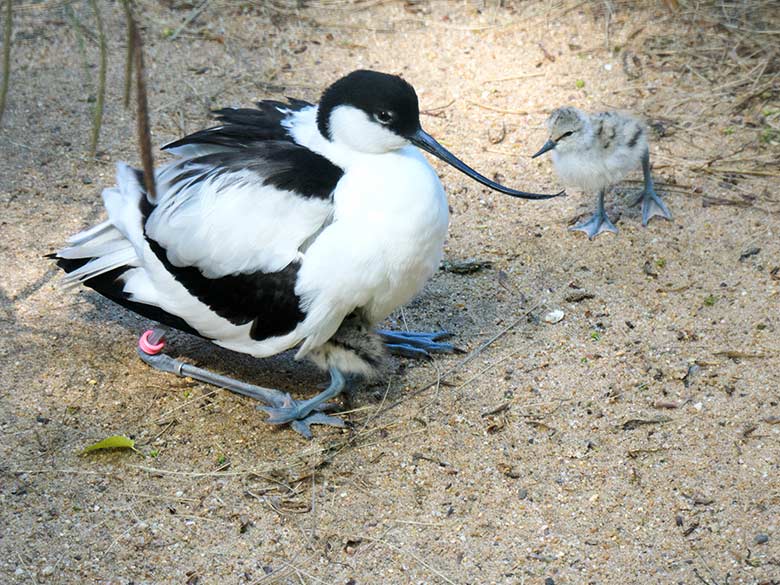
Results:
<point x="281" y="371"/>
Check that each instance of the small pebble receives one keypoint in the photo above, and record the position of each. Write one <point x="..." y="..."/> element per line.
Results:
<point x="549" y="581"/>
<point x="47" y="570"/>
<point x="522" y="494"/>
<point x="554" y="316"/>
<point x="748" y="253"/>
<point x="762" y="538"/>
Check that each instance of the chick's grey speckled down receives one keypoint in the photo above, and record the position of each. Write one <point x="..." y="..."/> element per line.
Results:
<point x="592" y="153"/>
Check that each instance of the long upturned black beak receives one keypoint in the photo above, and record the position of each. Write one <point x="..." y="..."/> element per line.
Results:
<point x="425" y="141"/>
<point x="549" y="145"/>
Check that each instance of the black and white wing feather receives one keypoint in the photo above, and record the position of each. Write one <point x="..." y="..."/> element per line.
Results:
<point x="220" y="248"/>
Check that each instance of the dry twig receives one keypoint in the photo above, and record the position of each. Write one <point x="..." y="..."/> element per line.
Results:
<point x="144" y="134"/>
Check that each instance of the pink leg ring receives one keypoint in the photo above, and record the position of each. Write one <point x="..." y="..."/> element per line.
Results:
<point x="150" y="348"/>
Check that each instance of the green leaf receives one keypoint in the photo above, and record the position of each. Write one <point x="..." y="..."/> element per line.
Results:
<point x="114" y="442"/>
<point x="579" y="84"/>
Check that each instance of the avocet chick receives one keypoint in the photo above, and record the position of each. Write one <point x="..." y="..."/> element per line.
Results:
<point x="592" y="153"/>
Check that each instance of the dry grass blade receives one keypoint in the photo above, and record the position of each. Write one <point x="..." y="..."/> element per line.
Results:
<point x="7" y="31"/>
<point x="411" y="555"/>
<point x="144" y="134"/>
<point x="499" y="110"/>
<point x="97" y="120"/>
<point x="187" y="21"/>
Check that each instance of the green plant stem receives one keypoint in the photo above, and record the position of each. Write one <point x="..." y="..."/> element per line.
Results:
<point x="129" y="55"/>
<point x="8" y="30"/>
<point x="97" y="119"/>
<point x="81" y="37"/>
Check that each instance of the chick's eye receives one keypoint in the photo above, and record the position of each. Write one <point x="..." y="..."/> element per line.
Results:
<point x="384" y="117"/>
<point x="564" y="135"/>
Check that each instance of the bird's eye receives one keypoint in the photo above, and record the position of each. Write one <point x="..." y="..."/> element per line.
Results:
<point x="384" y="117"/>
<point x="564" y="135"/>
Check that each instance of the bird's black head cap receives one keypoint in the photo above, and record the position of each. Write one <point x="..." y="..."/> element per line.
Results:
<point x="387" y="99"/>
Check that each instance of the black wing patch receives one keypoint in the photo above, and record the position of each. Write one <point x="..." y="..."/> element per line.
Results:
<point x="284" y="165"/>
<point x="267" y="299"/>
<point x="244" y="127"/>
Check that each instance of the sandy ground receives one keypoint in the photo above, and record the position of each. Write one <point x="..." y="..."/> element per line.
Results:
<point x="551" y="456"/>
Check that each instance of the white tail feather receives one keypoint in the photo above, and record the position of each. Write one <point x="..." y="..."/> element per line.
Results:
<point x="90" y="233"/>
<point x="101" y="265"/>
<point x="94" y="249"/>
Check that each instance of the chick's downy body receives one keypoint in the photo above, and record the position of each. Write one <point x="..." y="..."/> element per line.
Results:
<point x="594" y="152"/>
<point x="611" y="146"/>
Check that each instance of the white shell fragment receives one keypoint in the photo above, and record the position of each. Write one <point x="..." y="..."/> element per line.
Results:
<point x="554" y="316"/>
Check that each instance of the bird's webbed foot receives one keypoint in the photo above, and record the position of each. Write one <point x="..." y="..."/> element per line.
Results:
<point x="651" y="202"/>
<point x="417" y="344"/>
<point x="301" y="414"/>
<point x="652" y="206"/>
<point x="597" y="224"/>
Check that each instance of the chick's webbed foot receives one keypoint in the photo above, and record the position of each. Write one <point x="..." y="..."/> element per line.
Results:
<point x="653" y="206"/>
<point x="597" y="224"/>
<point x="417" y="344"/>
<point x="651" y="202"/>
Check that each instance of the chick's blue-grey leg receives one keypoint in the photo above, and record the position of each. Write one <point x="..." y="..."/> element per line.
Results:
<point x="416" y="344"/>
<point x="598" y="223"/>
<point x="651" y="201"/>
<point x="150" y="345"/>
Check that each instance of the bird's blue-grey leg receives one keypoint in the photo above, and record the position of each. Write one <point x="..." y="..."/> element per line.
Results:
<point x="598" y="223"/>
<point x="416" y="344"/>
<point x="651" y="201"/>
<point x="151" y="341"/>
<point x="301" y="413"/>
